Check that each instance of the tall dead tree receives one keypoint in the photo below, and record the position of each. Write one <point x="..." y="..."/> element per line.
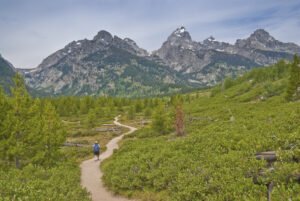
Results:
<point x="179" y="121"/>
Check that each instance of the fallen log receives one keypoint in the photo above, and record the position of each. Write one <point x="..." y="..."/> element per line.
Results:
<point x="269" y="156"/>
<point x="70" y="144"/>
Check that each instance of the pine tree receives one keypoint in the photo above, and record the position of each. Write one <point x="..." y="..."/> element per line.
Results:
<point x="91" y="119"/>
<point x="85" y="104"/>
<point x="4" y="108"/>
<point x="53" y="135"/>
<point x="147" y="112"/>
<point x="36" y="123"/>
<point x="138" y="106"/>
<point x="292" y="91"/>
<point x="160" y="120"/>
<point x="99" y="109"/>
<point x="131" y="113"/>
<point x="15" y="126"/>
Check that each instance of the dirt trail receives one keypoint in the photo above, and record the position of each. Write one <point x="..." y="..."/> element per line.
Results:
<point x="91" y="173"/>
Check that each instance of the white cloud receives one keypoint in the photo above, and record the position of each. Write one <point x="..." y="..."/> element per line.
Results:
<point x="34" y="29"/>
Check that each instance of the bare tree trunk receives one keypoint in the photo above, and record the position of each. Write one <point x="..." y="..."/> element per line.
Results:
<point x="179" y="124"/>
<point x="270" y="188"/>
<point x="18" y="165"/>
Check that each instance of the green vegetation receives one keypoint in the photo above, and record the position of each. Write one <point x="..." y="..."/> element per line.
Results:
<point x="33" y="160"/>
<point x="196" y="146"/>
<point x="31" y="163"/>
<point x="215" y="160"/>
<point x="60" y="182"/>
<point x="31" y="131"/>
<point x="293" y="89"/>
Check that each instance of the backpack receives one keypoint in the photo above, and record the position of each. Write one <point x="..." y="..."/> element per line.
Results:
<point x="96" y="148"/>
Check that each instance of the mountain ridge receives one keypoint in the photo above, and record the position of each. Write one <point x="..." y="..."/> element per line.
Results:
<point x="100" y="66"/>
<point x="194" y="59"/>
<point x="105" y="65"/>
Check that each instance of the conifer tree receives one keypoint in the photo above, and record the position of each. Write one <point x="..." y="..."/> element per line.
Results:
<point x="3" y="113"/>
<point x="292" y="91"/>
<point x="15" y="126"/>
<point x="3" y="106"/>
<point x="147" y="112"/>
<point x="35" y="136"/>
<point x="91" y="119"/>
<point x="160" y="120"/>
<point x="138" y="106"/>
<point x="99" y="110"/>
<point x="53" y="135"/>
<point x="85" y="104"/>
<point x="131" y="113"/>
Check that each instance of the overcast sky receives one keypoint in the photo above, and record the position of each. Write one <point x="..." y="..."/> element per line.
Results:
<point x="31" y="30"/>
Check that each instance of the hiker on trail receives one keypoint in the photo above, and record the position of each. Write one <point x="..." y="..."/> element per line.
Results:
<point x="96" y="149"/>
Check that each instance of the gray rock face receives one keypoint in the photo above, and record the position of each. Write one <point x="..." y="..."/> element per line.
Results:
<point x="105" y="65"/>
<point x="180" y="52"/>
<point x="109" y="65"/>
<point x="262" y="40"/>
<point x="7" y="71"/>
<point x="209" y="61"/>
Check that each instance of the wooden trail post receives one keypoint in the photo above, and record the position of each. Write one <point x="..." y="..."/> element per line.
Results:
<point x="270" y="188"/>
<point x="270" y="157"/>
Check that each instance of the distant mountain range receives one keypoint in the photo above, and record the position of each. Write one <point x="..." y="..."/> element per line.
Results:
<point x="109" y="65"/>
<point x="105" y="65"/>
<point x="209" y="61"/>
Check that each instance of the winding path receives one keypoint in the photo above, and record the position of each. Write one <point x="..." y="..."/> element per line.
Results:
<point x="91" y="173"/>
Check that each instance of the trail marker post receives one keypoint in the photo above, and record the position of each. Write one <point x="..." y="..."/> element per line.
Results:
<point x="270" y="157"/>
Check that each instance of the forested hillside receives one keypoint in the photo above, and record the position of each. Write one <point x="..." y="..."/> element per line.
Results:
<point x="215" y="157"/>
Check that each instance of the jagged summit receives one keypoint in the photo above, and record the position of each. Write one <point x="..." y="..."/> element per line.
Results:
<point x="179" y="31"/>
<point x="103" y="36"/>
<point x="209" y="39"/>
<point x="260" y="32"/>
<point x="261" y="35"/>
<point x="180" y="34"/>
<point x="262" y="40"/>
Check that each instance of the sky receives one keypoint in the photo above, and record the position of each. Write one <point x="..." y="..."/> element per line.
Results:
<point x="31" y="30"/>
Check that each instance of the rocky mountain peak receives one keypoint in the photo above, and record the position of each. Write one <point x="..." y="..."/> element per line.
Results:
<point x="7" y="63"/>
<point x="261" y="35"/>
<point x="103" y="36"/>
<point x="128" y="40"/>
<point x="180" y="34"/>
<point x="259" y="39"/>
<point x="179" y="31"/>
<point x="128" y="45"/>
<point x="209" y="40"/>
<point x="139" y="51"/>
